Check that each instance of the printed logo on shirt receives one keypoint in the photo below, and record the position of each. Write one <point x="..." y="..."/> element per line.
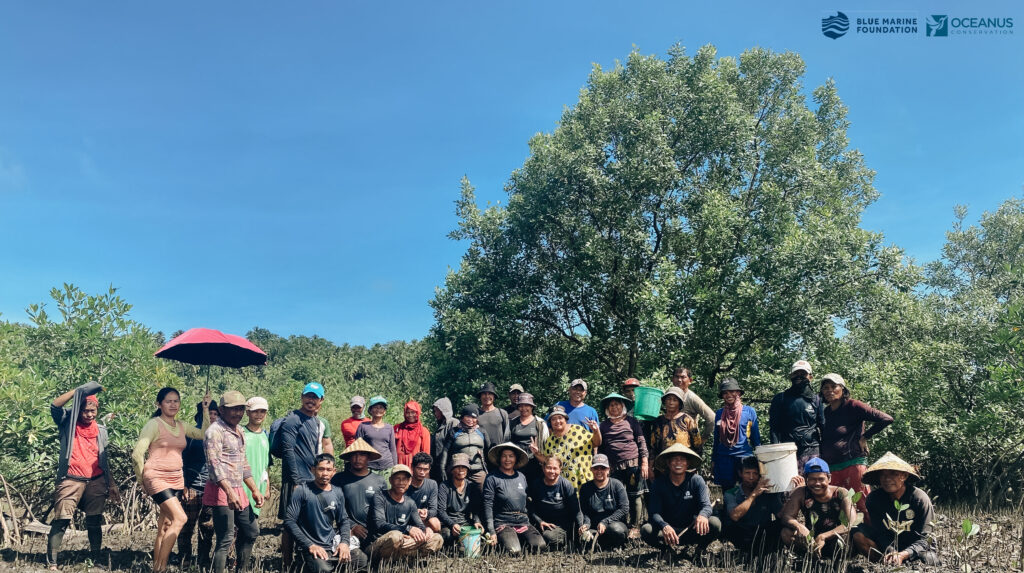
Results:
<point x="688" y="495"/>
<point x="909" y="513"/>
<point x="558" y="496"/>
<point x="809" y="409"/>
<point x="609" y="498"/>
<point x="331" y="506"/>
<point x="520" y="485"/>
<point x="369" y="490"/>
<point x="402" y="518"/>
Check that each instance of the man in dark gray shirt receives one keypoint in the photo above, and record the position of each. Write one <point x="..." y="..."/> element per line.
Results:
<point x="396" y="530"/>
<point x="423" y="491"/>
<point x="359" y="485"/>
<point x="492" y="420"/>
<point x="318" y="523"/>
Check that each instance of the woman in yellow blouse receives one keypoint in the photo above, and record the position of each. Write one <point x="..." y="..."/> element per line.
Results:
<point x="573" y="444"/>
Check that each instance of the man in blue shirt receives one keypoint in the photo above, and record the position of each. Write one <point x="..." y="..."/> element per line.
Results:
<point x="577" y="410"/>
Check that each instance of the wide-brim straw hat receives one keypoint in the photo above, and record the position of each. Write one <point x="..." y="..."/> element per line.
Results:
<point x="661" y="462"/>
<point x="889" y="461"/>
<point x="626" y="402"/>
<point x="495" y="454"/>
<point x="360" y="445"/>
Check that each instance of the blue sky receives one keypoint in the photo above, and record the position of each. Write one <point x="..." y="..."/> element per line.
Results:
<point x="235" y="164"/>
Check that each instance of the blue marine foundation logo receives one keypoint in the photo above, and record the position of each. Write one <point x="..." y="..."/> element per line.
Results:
<point x="937" y="25"/>
<point x="835" y="26"/>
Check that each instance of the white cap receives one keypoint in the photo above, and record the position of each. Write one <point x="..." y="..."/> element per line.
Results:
<point x="801" y="365"/>
<point x="256" y="403"/>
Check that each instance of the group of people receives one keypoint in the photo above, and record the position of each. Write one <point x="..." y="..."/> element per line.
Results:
<point x="519" y="481"/>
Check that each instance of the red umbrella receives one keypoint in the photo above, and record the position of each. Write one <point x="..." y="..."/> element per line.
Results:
<point x="208" y="347"/>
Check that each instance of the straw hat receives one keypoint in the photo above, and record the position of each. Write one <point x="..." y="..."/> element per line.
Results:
<point x="360" y="445"/>
<point x="889" y="461"/>
<point x="495" y="454"/>
<point x="660" y="463"/>
<point x="615" y="396"/>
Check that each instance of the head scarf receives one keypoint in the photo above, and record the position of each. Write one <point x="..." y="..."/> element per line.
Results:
<point x="408" y="433"/>
<point x="729" y="424"/>
<point x="88" y="430"/>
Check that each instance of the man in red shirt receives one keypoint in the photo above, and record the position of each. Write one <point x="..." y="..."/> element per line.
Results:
<point x="349" y="426"/>
<point x="83" y="478"/>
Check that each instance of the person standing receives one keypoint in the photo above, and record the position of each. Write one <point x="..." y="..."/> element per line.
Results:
<point x="229" y="473"/>
<point x="83" y="475"/>
<point x="381" y="437"/>
<point x="351" y="424"/>
<point x="300" y="437"/>
<point x="796" y="414"/>
<point x="198" y="516"/>
<point x="736" y="434"/>
<point x="411" y="436"/>
<point x="257" y="453"/>
<point x="573" y="444"/>
<point x="359" y="485"/>
<point x="694" y="406"/>
<point x="470" y="440"/>
<point x="318" y="522"/>
<point x="445" y="423"/>
<point x="844" y="441"/>
<point x="163" y="439"/>
<point x="513" y="400"/>
<point x="625" y="448"/>
<point x="492" y="420"/>
<point x="529" y="429"/>
<point x="576" y="408"/>
<point x="673" y="426"/>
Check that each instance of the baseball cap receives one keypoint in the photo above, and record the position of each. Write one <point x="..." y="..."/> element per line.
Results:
<point x="358" y="401"/>
<point x="516" y="388"/>
<point x="600" y="461"/>
<point x="231" y="399"/>
<point x="801" y="365"/>
<point x="314" y="388"/>
<point x="257" y="403"/>
<point x="816" y="465"/>
<point x="578" y="382"/>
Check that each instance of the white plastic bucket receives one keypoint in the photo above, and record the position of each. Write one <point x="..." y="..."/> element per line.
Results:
<point x="778" y="464"/>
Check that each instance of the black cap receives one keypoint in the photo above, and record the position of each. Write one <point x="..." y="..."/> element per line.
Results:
<point x="470" y="410"/>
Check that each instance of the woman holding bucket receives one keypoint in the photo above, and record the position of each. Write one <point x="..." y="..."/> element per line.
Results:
<point x="459" y="506"/>
<point x="736" y="434"/>
<point x="622" y="440"/>
<point x="844" y="440"/>
<point x="673" y="426"/>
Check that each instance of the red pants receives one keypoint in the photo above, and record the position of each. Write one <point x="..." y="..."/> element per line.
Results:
<point x="850" y="478"/>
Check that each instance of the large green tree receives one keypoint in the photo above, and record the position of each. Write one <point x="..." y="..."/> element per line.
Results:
<point x="687" y="210"/>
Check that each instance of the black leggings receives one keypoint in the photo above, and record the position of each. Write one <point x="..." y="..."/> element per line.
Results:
<point x="225" y="520"/>
<point x="162" y="496"/>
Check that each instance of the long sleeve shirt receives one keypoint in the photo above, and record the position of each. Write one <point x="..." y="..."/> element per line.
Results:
<point x="679" y="505"/>
<point x="317" y="517"/>
<point x="496" y="425"/>
<point x="300" y="442"/>
<point x="455" y="507"/>
<point x="844" y="427"/>
<point x="66" y="419"/>
<point x="193" y="464"/>
<point x="915" y="523"/>
<point x="694" y="406"/>
<point x="555" y="504"/>
<point x="793" y="417"/>
<point x="604" y="505"/>
<point x="359" y="493"/>
<point x="424" y="496"/>
<point x="505" y="500"/>
<point x="623" y="441"/>
<point x="225" y="454"/>
<point x="390" y="515"/>
<point x="762" y="510"/>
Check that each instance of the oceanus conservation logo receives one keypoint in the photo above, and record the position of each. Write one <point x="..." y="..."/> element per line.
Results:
<point x="835" y="26"/>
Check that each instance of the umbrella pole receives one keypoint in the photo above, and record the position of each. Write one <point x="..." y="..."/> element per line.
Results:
<point x="207" y="378"/>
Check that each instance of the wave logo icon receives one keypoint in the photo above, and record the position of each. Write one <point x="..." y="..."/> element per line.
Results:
<point x="937" y="25"/>
<point x="835" y="26"/>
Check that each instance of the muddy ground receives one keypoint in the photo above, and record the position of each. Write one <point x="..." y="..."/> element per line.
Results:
<point x="996" y="547"/>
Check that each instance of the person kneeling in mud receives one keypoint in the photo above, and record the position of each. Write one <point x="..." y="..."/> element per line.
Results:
<point x="318" y="522"/>
<point x="680" y="506"/>
<point x="823" y="508"/>
<point x="396" y="529"/>
<point x="751" y="510"/>
<point x="878" y="541"/>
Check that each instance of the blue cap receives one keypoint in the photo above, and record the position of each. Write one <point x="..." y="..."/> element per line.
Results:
<point x="816" y="465"/>
<point x="314" y="388"/>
